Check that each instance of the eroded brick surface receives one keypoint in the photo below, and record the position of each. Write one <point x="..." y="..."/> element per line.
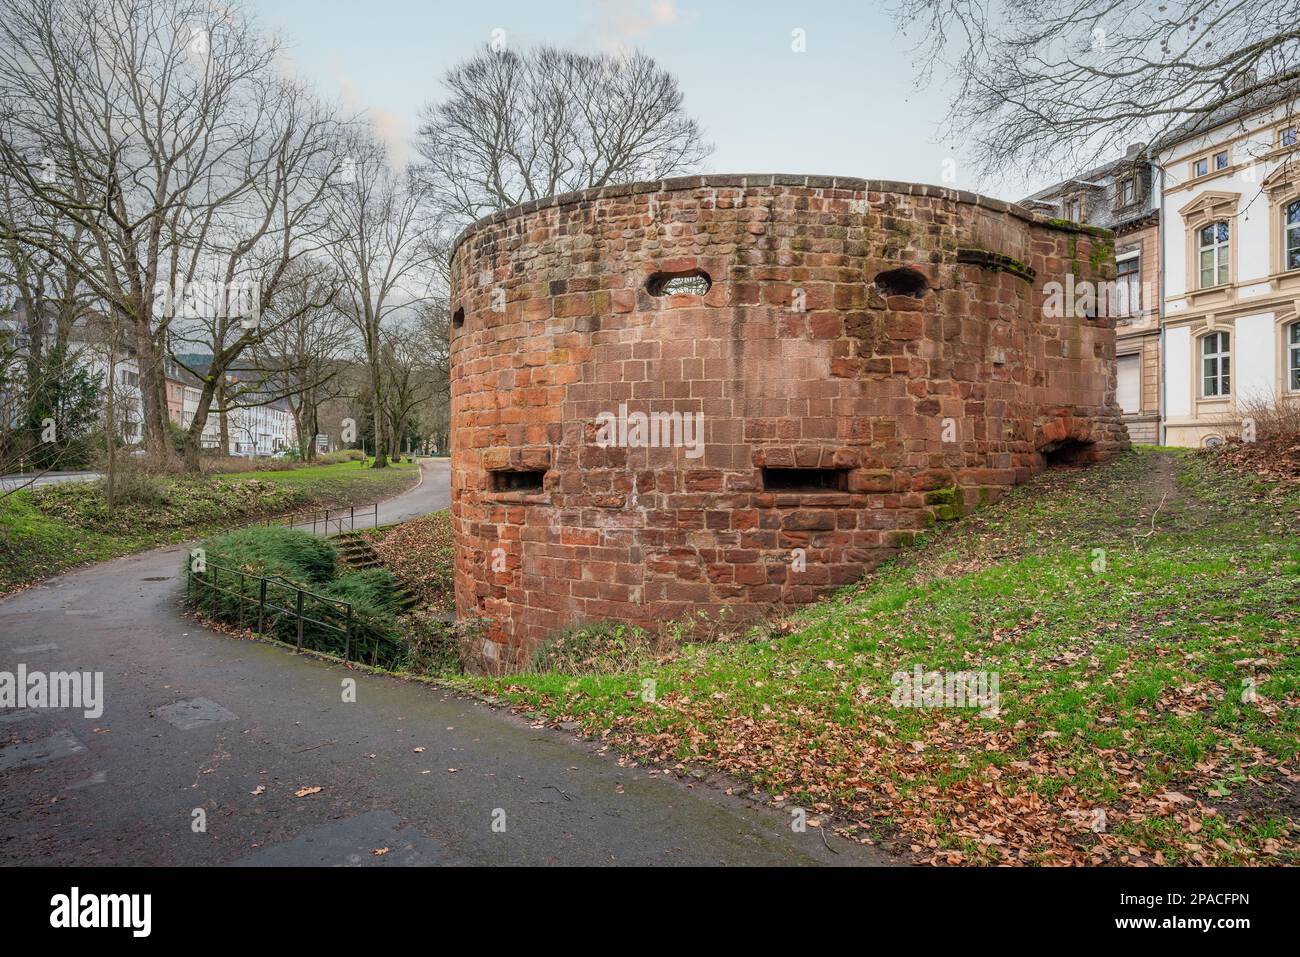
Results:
<point x="795" y="358"/>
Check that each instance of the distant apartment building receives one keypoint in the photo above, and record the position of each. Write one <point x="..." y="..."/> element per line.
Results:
<point x="262" y="429"/>
<point x="1119" y="196"/>
<point x="261" y="425"/>
<point x="1232" y="269"/>
<point x="175" y="392"/>
<point x="128" y="401"/>
<point x="258" y="424"/>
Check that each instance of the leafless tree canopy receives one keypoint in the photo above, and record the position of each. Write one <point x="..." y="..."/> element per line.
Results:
<point x="154" y="159"/>
<point x="382" y="251"/>
<point x="1050" y="84"/>
<point x="149" y="147"/>
<point x="515" y="127"/>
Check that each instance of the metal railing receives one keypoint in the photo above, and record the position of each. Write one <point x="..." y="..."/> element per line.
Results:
<point x="330" y="521"/>
<point x="335" y="614"/>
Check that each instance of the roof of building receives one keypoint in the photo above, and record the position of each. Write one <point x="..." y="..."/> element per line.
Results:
<point x="1234" y="110"/>
<point x="1101" y="179"/>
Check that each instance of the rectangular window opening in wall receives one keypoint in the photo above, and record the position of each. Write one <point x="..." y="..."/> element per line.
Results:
<point x="530" y="481"/>
<point x="1215" y="358"/>
<point x="1128" y="279"/>
<point x="1128" y="389"/>
<point x="805" y="480"/>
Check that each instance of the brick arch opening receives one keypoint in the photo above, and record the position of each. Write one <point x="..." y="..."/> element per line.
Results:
<point x="903" y="281"/>
<point x="1068" y="453"/>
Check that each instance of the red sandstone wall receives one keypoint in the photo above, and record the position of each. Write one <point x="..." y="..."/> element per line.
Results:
<point x="558" y="328"/>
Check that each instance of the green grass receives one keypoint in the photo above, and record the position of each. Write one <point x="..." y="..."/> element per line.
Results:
<point x="48" y="530"/>
<point x="319" y="476"/>
<point x="1126" y="609"/>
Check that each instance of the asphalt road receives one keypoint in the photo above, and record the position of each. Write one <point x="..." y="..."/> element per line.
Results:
<point x="20" y="480"/>
<point x="199" y="728"/>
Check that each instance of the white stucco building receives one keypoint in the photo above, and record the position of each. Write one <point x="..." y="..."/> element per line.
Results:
<point x="1231" y="255"/>
<point x="252" y="431"/>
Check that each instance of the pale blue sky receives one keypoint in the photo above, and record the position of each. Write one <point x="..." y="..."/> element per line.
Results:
<point x="847" y="106"/>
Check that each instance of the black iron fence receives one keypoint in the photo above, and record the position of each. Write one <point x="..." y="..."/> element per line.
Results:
<point x="331" y="521"/>
<point x="280" y="610"/>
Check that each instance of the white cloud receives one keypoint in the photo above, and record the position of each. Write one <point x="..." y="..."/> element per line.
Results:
<point x="392" y="129"/>
<point x="624" y="20"/>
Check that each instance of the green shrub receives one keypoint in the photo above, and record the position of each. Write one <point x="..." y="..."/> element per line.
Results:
<point x="342" y="455"/>
<point x="274" y="550"/>
<point x="373" y="595"/>
<point x="432" y="644"/>
<point x="136" y="487"/>
<point x="291" y="560"/>
<point x="176" y="437"/>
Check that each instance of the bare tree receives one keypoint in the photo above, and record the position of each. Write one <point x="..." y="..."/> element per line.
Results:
<point x="161" y="129"/>
<point x="1051" y="83"/>
<point x="382" y="254"/>
<point x="415" y="370"/>
<point x="47" y="388"/>
<point x="306" y="354"/>
<point x="515" y="127"/>
<point x="270" y="246"/>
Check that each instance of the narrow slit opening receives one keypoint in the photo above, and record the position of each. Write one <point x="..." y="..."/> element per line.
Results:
<point x="805" y="480"/>
<point x="529" y="481"/>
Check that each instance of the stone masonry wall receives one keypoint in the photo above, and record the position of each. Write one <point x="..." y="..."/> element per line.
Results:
<point x="886" y="338"/>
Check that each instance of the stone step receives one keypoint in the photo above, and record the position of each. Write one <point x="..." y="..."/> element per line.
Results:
<point x="357" y="553"/>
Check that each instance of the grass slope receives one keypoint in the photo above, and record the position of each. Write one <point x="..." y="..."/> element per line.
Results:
<point x="48" y="530"/>
<point x="1128" y="610"/>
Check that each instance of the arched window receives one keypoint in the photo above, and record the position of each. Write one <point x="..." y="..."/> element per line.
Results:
<point x="1214" y="254"/>
<point x="1215" y="365"/>
<point x="1291" y="243"/>
<point x="1293" y="356"/>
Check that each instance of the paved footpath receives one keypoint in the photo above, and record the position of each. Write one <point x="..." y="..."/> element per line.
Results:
<point x="21" y="480"/>
<point x="195" y="720"/>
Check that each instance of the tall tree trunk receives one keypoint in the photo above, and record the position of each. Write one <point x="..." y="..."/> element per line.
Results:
<point x="110" y="425"/>
<point x="153" y="392"/>
<point x="194" y="435"/>
<point x="313" y="430"/>
<point x="222" y="421"/>
<point x="381" y="461"/>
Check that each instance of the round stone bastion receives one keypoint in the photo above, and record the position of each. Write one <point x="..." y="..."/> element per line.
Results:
<point x="726" y="394"/>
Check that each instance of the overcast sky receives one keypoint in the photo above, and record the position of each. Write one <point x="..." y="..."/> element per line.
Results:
<point x="847" y="105"/>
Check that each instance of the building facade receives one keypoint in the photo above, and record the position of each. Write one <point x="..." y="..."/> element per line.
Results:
<point x="1232" y="272"/>
<point x="1231" y="256"/>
